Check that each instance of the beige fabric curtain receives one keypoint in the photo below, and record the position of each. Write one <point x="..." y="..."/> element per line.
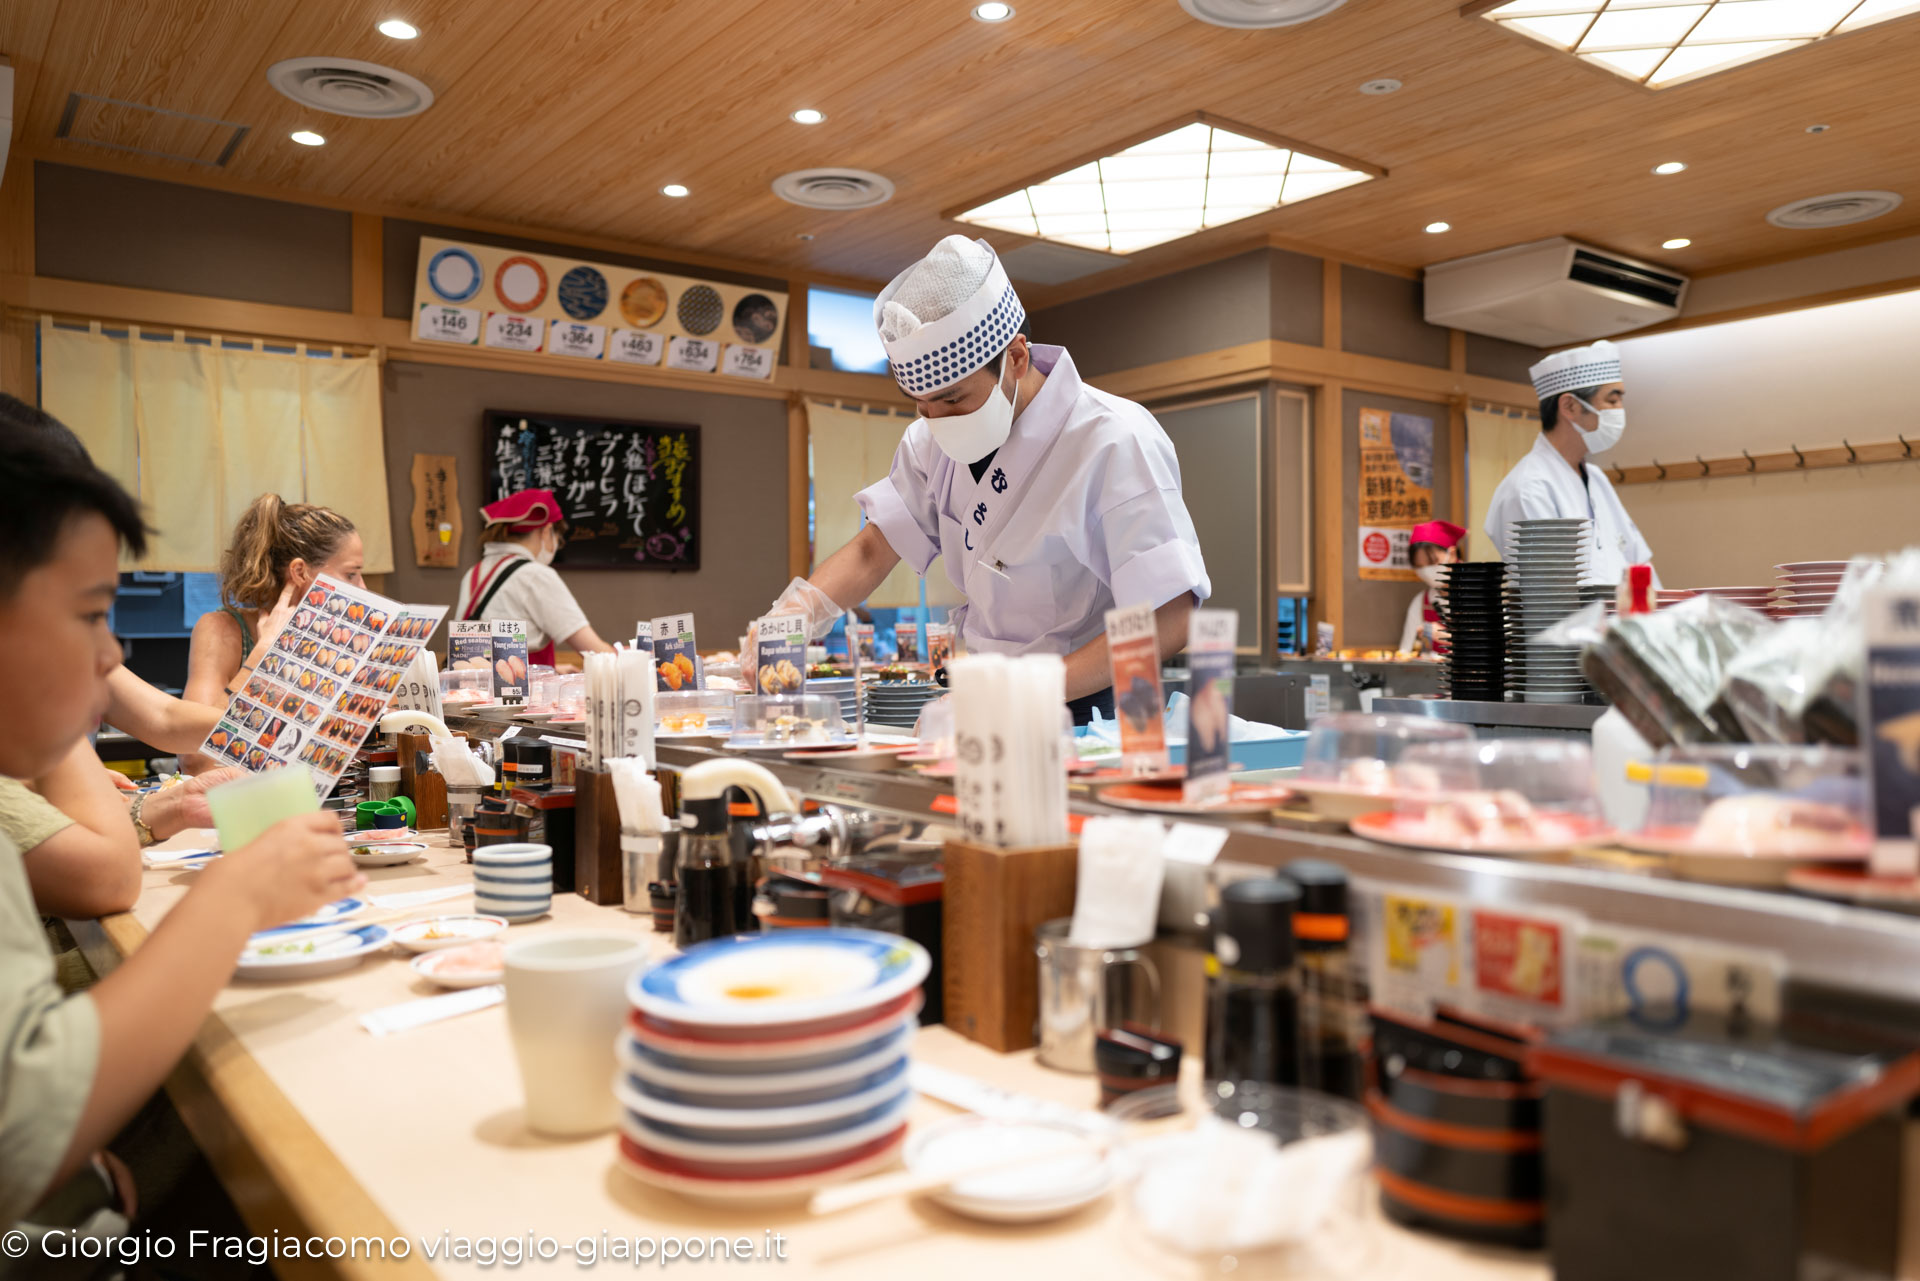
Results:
<point x="1497" y="438"/>
<point x="853" y="448"/>
<point x="198" y="430"/>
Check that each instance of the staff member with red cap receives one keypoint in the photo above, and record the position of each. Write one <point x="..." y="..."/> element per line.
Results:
<point x="515" y="578"/>
<point x="1432" y="545"/>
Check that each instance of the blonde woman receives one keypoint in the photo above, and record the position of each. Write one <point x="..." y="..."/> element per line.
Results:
<point x="278" y="550"/>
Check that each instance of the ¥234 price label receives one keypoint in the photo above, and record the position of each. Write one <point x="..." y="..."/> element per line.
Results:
<point x="514" y="333"/>
<point x="439" y="323"/>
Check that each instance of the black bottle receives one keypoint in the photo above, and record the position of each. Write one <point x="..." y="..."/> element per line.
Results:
<point x="1253" y="991"/>
<point x="715" y="876"/>
<point x="1332" y="1004"/>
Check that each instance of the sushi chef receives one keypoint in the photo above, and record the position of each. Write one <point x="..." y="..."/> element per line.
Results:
<point x="1582" y="412"/>
<point x="1048" y="500"/>
<point x="515" y="578"/>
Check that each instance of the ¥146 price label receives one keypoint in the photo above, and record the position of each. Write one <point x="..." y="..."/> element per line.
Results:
<point x="439" y="323"/>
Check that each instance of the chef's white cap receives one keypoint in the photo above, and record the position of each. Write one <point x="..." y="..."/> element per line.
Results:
<point x="947" y="315"/>
<point x="1576" y="370"/>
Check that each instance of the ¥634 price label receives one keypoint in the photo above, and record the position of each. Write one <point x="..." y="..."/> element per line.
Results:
<point x="439" y="323"/>
<point x="513" y="333"/>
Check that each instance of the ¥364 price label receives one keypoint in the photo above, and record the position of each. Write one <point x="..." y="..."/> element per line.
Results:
<point x="439" y="323"/>
<point x="570" y="338"/>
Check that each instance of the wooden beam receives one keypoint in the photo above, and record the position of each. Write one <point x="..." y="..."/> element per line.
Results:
<point x="16" y="216"/>
<point x="17" y="364"/>
<point x="1457" y="460"/>
<point x="1276" y="361"/>
<point x="798" y="356"/>
<point x="1815" y="459"/>
<point x="368" y="261"/>
<point x="1873" y="289"/>
<point x="799" y="487"/>
<point x="1331" y="319"/>
<point x="1457" y="350"/>
<point x="1327" y="603"/>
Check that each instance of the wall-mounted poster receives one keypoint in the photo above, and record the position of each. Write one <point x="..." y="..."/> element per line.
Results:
<point x="1396" y="490"/>
<point x="506" y="300"/>
<point x="630" y="491"/>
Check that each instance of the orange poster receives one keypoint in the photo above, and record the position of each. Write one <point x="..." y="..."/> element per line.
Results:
<point x="1396" y="490"/>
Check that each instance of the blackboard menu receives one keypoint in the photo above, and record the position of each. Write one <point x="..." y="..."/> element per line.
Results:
<point x="630" y="490"/>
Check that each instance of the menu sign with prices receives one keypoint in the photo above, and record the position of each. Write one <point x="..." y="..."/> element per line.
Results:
<point x="1417" y="962"/>
<point x="643" y="636"/>
<point x="326" y="680"/>
<point x="906" y="642"/>
<point x="1519" y="971"/>
<point x="939" y="644"/>
<point x="780" y="654"/>
<point x="438" y="323"/>
<point x="1133" y="655"/>
<point x="509" y="332"/>
<point x="510" y="660"/>
<point x="1890" y="727"/>
<point x="1660" y="981"/>
<point x="470" y="649"/>
<point x="677" y="664"/>
<point x="1210" y="641"/>
<point x="860" y="642"/>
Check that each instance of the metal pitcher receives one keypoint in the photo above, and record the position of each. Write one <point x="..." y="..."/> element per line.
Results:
<point x="1084" y="990"/>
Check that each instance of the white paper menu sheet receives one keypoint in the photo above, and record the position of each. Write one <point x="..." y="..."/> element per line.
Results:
<point x="324" y="683"/>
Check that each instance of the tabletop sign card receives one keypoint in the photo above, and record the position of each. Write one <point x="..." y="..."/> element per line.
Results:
<point x="1890" y="725"/>
<point x="510" y="332"/>
<point x="630" y="491"/>
<point x="510" y="660"/>
<point x="643" y="636"/>
<point x="748" y="362"/>
<point x="860" y="642"/>
<point x="780" y="654"/>
<point x="1210" y="640"/>
<point x="436" y="511"/>
<point x="327" y="678"/>
<point x="470" y="649"/>
<point x="636" y="347"/>
<point x="439" y="323"/>
<point x="695" y="354"/>
<point x="676" y="662"/>
<point x="906" y="641"/>
<point x="1133" y="653"/>
<point x="939" y="645"/>
<point x="571" y="338"/>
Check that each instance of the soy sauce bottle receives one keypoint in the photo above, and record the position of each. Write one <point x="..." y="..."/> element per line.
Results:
<point x="715" y="875"/>
<point x="1332" y="1003"/>
<point x="1252" y="989"/>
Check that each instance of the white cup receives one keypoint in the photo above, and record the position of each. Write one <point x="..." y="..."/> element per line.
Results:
<point x="513" y="881"/>
<point x="566" y="1002"/>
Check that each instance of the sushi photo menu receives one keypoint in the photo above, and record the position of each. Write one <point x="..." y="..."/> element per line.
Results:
<point x="326" y="680"/>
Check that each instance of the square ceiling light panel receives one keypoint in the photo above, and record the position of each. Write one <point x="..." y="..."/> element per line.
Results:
<point x="1183" y="179"/>
<point x="1658" y="43"/>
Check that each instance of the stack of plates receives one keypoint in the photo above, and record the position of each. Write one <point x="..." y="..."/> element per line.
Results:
<point x="1664" y="597"/>
<point x="1806" y="588"/>
<point x="841" y="690"/>
<point x="765" y="1066"/>
<point x="1755" y="598"/>
<point x="898" y="703"/>
<point x="1549" y="560"/>
<point x="1477" y="633"/>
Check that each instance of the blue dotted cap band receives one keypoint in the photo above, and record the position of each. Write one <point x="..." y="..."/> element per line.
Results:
<point x="1576" y="370"/>
<point x="942" y="352"/>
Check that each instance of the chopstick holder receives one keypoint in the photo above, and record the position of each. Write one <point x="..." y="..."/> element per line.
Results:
<point x="432" y="1009"/>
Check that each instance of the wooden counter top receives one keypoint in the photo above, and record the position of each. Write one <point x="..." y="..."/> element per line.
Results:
<point x="316" y="1126"/>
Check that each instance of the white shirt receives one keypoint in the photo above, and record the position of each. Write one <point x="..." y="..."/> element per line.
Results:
<point x="1543" y="485"/>
<point x="1078" y="511"/>
<point x="1416" y="619"/>
<point x="534" y="595"/>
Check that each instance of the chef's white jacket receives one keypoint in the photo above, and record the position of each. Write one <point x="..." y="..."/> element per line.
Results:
<point x="1078" y="511"/>
<point x="1542" y="486"/>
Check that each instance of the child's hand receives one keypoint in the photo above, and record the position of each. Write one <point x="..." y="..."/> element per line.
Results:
<point x="293" y="868"/>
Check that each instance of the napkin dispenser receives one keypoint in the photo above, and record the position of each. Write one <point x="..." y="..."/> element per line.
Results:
<point x="1758" y="1153"/>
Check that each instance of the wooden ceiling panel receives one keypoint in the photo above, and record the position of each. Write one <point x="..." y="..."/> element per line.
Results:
<point x="569" y="117"/>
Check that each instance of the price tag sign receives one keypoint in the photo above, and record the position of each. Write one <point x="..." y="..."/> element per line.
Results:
<point x="439" y="323"/>
<point x="748" y="362"/>
<point x="636" y="347"/>
<point x="571" y="338"/>
<point x="513" y="333"/>
<point x="696" y="354"/>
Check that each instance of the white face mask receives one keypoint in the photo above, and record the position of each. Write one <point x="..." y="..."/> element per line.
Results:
<point x="1613" y="425"/>
<point x="549" y="548"/>
<point x="1432" y="575"/>
<point x="967" y="438"/>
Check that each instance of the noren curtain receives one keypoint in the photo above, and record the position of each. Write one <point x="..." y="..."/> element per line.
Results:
<point x="852" y="448"/>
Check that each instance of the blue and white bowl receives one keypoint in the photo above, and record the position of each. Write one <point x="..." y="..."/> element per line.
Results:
<point x="513" y="881"/>
<point x="759" y="982"/>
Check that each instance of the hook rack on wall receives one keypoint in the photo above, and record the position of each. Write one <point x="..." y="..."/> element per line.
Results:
<point x="1845" y="454"/>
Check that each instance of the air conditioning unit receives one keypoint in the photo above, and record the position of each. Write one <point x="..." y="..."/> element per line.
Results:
<point x="1551" y="293"/>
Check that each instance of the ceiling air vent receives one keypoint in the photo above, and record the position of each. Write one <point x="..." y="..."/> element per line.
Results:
<point x="833" y="188"/>
<point x="1247" y="14"/>
<point x="1836" y="210"/>
<point x="348" y="87"/>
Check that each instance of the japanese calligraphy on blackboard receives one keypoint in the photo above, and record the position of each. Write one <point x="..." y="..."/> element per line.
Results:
<point x="630" y="490"/>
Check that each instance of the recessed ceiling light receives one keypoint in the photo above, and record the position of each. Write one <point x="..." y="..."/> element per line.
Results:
<point x="1818" y="128"/>
<point x="993" y="11"/>
<point x="1190" y="178"/>
<point x="1383" y="85"/>
<point x="1258" y="14"/>
<point x="1678" y="242"/>
<point x="673" y="189"/>
<point x="1671" y="166"/>
<point x="808" y="116"/>
<point x="805" y="235"/>
<point x="1435" y="228"/>
<point x="1663" y="44"/>
<point x="308" y="138"/>
<point x="399" y="30"/>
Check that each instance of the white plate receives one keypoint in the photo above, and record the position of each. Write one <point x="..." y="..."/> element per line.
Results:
<point x="180" y="860"/>
<point x="381" y="836"/>
<point x="885" y="1120"/>
<point x="784" y="1054"/>
<point x="336" y="913"/>
<point x="292" y="956"/>
<point x="1046" y="1189"/>
<point x="389" y="855"/>
<point x="761" y="981"/>
<point x="429" y="966"/>
<point x="767" y="1122"/>
<point x="454" y="930"/>
<point x="759" y="1191"/>
<point x="761" y="1085"/>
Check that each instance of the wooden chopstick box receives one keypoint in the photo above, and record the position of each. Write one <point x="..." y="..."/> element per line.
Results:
<point x="598" y="865"/>
<point x="994" y="901"/>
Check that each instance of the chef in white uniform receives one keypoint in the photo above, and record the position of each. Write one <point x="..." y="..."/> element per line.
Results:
<point x="1582" y="412"/>
<point x="1049" y="501"/>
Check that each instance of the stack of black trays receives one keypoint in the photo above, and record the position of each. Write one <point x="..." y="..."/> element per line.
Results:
<point x="1474" y="606"/>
